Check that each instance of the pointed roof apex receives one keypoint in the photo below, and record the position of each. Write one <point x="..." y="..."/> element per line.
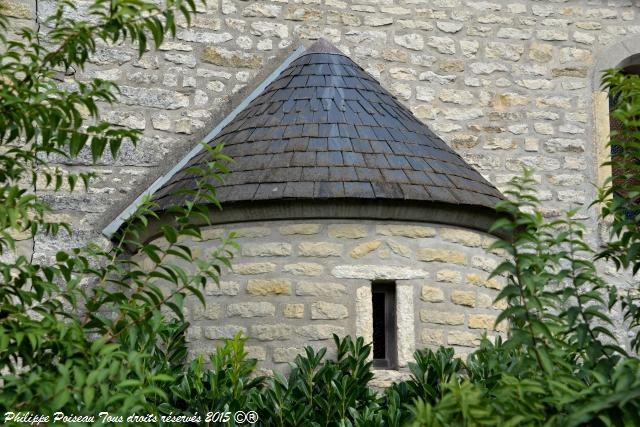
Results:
<point x="323" y="46"/>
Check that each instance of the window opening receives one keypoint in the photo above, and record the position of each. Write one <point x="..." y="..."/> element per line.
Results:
<point x="618" y="170"/>
<point x="383" y="295"/>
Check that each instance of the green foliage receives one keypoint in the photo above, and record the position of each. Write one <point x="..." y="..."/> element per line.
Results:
<point x="619" y="199"/>
<point x="92" y="330"/>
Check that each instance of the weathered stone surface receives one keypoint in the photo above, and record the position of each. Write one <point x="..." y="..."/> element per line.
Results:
<point x="305" y="229"/>
<point x="405" y="321"/>
<point x="320" y="332"/>
<point x="464" y="237"/>
<point x="211" y="311"/>
<point x="463" y="298"/>
<point x="441" y="255"/>
<point x="462" y="338"/>
<point x="327" y="310"/>
<point x="16" y="9"/>
<point x="229" y="58"/>
<point x="286" y="354"/>
<point x="269" y="287"/>
<point x="442" y="44"/>
<point x="410" y="41"/>
<point x="223" y="331"/>
<point x="413" y="231"/>
<point x="154" y="98"/>
<point x="476" y="280"/>
<point x="304" y="269"/>
<point x="293" y="311"/>
<point x="441" y="317"/>
<point x="347" y="231"/>
<point x="376" y="272"/>
<point x="212" y="233"/>
<point x="259" y="9"/>
<point x="266" y="249"/>
<point x="269" y="29"/>
<point x="255" y="352"/>
<point x="254" y="268"/>
<point x="431" y="294"/>
<point x="222" y="288"/>
<point x="325" y="290"/>
<point x="449" y="276"/>
<point x="130" y="119"/>
<point x="399" y="249"/>
<point x="275" y="332"/>
<point x="482" y="321"/>
<point x="251" y="309"/>
<point x="365" y="248"/>
<point x="432" y="336"/>
<point x="319" y="249"/>
<point x="251" y="232"/>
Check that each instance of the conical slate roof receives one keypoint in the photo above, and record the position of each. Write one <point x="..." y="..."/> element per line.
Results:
<point x="326" y="129"/>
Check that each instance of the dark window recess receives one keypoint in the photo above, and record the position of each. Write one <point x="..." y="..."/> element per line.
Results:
<point x="620" y="169"/>
<point x="384" y="324"/>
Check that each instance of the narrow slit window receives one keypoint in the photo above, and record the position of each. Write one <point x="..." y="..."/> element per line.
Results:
<point x="384" y="324"/>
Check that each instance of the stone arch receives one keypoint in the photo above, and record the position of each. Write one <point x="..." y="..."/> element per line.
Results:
<point x="622" y="54"/>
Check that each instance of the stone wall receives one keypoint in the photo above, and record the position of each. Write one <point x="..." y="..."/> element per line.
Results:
<point x="295" y="284"/>
<point x="506" y="82"/>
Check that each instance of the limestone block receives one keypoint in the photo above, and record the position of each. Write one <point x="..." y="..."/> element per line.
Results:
<point x="464" y="237"/>
<point x="222" y="288"/>
<point x="365" y="248"/>
<point x="319" y="249"/>
<point x="449" y="27"/>
<point x="413" y="231"/>
<point x="304" y="269"/>
<point x="255" y="352"/>
<point x="431" y="294"/>
<point x="441" y="317"/>
<point x="17" y="9"/>
<point x="269" y="287"/>
<point x="212" y="233"/>
<point x="251" y="309"/>
<point x="269" y="29"/>
<point x="305" y="229"/>
<point x="444" y="45"/>
<point x="377" y="272"/>
<point x="325" y="290"/>
<point x="347" y="231"/>
<point x="222" y="331"/>
<point x="286" y="354"/>
<point x="293" y="311"/>
<point x="266" y="249"/>
<point x="482" y="321"/>
<point x="463" y="298"/>
<point x="462" y="338"/>
<point x="449" y="276"/>
<point x="275" y="332"/>
<point x="251" y="232"/>
<point x="476" y="280"/>
<point x="399" y="249"/>
<point x="410" y="41"/>
<point x="211" y="311"/>
<point x="433" y="336"/>
<point x="154" y="98"/>
<point x="441" y="255"/>
<point x="254" y="268"/>
<point x="229" y="58"/>
<point x="327" y="310"/>
<point x="320" y="332"/>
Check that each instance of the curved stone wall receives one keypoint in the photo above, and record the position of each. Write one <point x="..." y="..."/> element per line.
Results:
<point x="296" y="283"/>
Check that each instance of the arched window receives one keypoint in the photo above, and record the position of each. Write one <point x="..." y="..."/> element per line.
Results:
<point x="623" y="161"/>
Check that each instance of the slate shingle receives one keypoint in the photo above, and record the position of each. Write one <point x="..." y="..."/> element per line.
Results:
<point x="327" y="129"/>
